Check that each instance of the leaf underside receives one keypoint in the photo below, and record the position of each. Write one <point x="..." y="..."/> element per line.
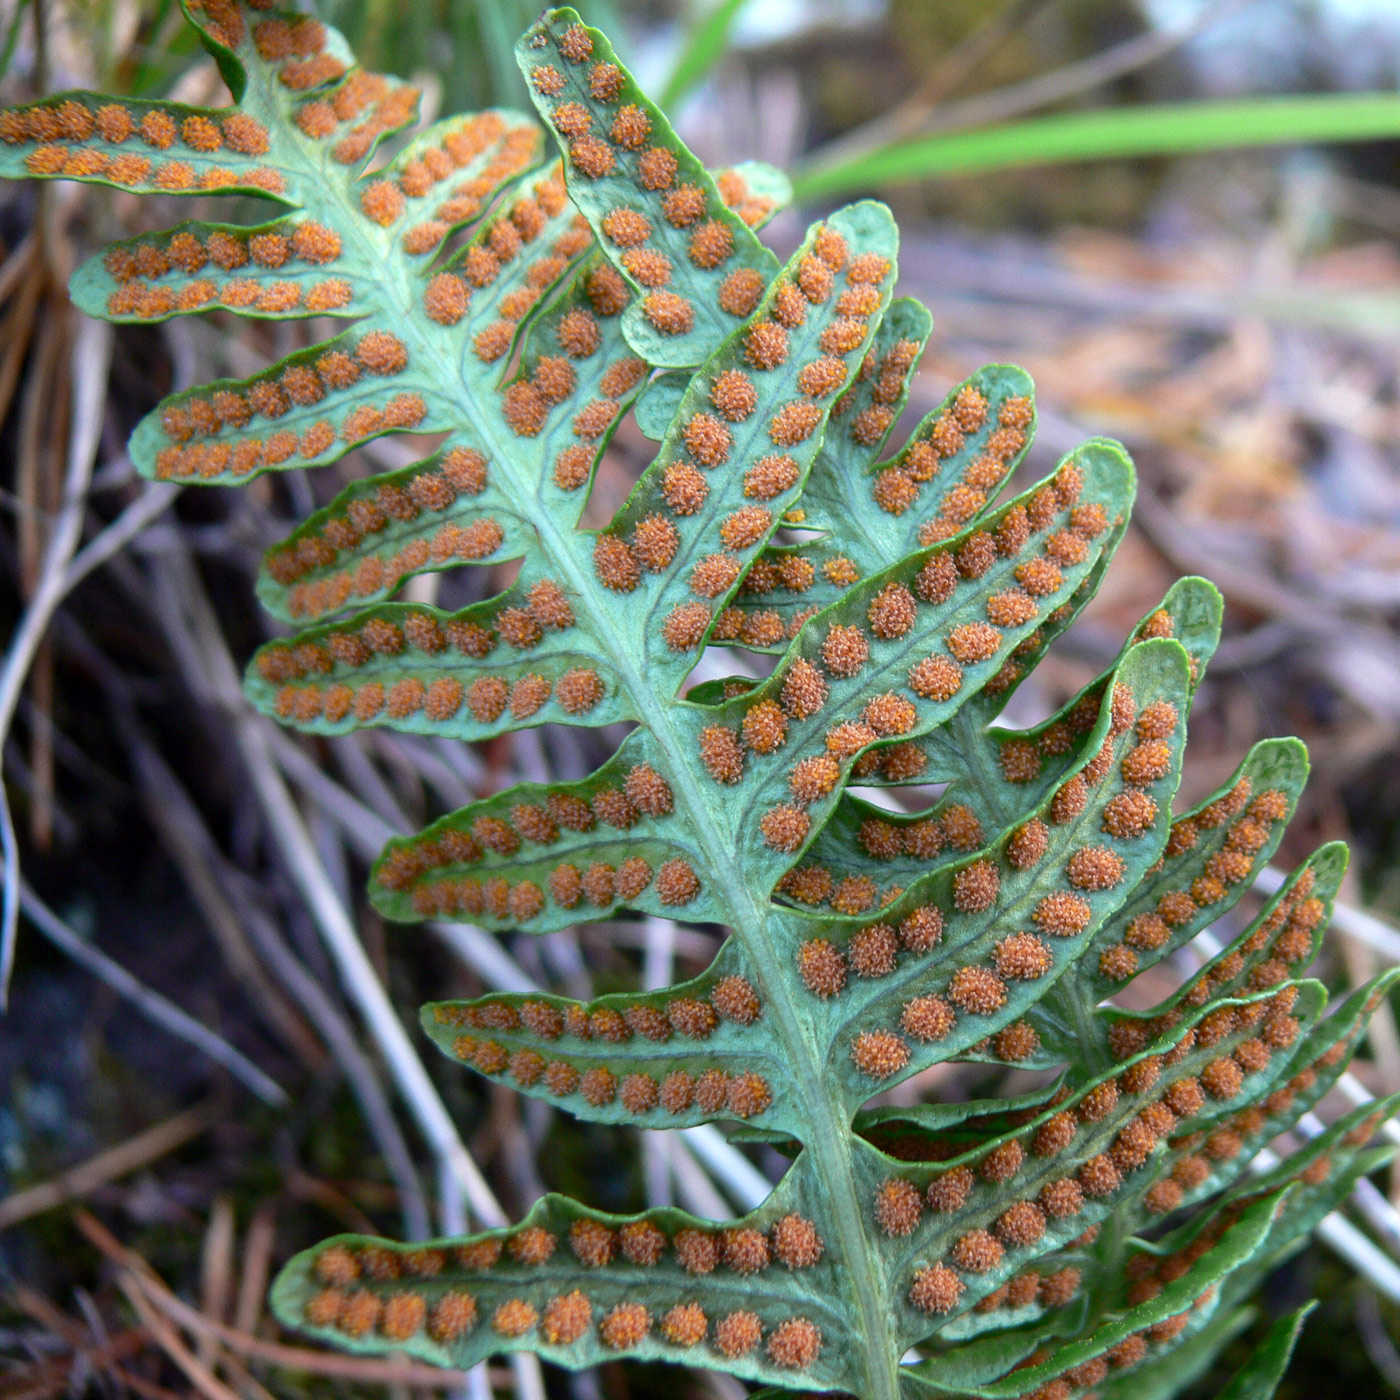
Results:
<point x="513" y="284"/>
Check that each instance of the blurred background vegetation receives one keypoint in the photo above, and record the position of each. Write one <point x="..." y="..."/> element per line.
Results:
<point x="1183" y="216"/>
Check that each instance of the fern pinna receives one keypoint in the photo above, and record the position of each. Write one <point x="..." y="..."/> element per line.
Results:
<point x="1097" y="1234"/>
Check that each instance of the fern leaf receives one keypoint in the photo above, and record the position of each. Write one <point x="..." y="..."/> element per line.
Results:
<point x="1261" y="1374"/>
<point x="696" y="267"/>
<point x="992" y="776"/>
<point x="1214" y="853"/>
<point x="1016" y="915"/>
<point x="582" y="1287"/>
<point x="1190" y="1297"/>
<point x="1093" y="1234"/>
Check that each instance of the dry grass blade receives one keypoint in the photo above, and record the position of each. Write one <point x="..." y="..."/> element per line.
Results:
<point x="216" y="1273"/>
<point x="180" y="825"/>
<point x="199" y="1376"/>
<point x="362" y="981"/>
<point x="126" y="1157"/>
<point x="89" y="368"/>
<point x="258" y="1246"/>
<point x="228" y="906"/>
<point x="88" y="1352"/>
<point x="923" y="115"/>
<point x="153" y="1300"/>
<point x="151" y="1004"/>
<point x="55" y="1380"/>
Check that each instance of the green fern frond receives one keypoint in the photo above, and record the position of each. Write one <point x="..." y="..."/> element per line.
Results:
<point x="1093" y="1234"/>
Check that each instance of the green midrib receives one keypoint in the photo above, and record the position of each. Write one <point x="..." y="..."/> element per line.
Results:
<point x="865" y="1281"/>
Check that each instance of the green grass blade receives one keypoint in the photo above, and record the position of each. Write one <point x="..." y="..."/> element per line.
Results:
<point x="12" y="36"/>
<point x="704" y="47"/>
<point x="1168" y="129"/>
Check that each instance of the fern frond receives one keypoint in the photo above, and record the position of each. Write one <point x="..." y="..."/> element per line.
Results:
<point x="518" y="305"/>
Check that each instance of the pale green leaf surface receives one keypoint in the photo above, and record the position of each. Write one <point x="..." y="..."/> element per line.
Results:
<point x="671" y="324"/>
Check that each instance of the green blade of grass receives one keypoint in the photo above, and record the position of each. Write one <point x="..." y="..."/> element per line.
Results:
<point x="12" y="37"/>
<point x="499" y="32"/>
<point x="704" y="47"/>
<point x="1168" y="129"/>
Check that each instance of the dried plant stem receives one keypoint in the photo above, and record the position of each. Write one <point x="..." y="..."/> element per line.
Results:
<point x="177" y="818"/>
<point x="529" y="1380"/>
<point x="368" y="833"/>
<point x="118" y="1161"/>
<point x="157" y="498"/>
<point x="196" y="846"/>
<point x="1369" y="1261"/>
<point x="55" y="1378"/>
<point x="215" y="1296"/>
<point x="258" y="1246"/>
<point x="693" y="1184"/>
<point x="361" y="981"/>
<point x="149" y="1003"/>
<point x="188" y="837"/>
<point x="199" y="1376"/>
<point x="91" y="354"/>
<point x="746" y="1184"/>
